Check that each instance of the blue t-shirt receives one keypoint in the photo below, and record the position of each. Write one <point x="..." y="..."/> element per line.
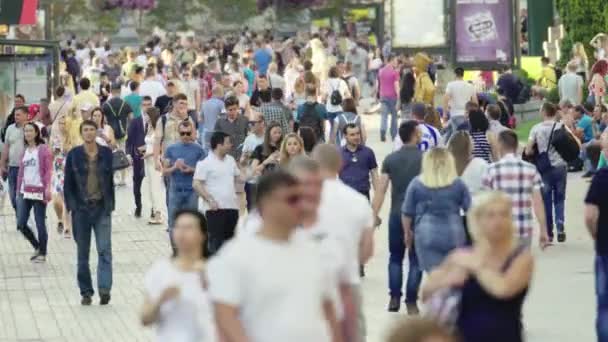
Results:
<point x="134" y="101"/>
<point x="586" y="124"/>
<point x="191" y="153"/>
<point x="262" y="58"/>
<point x="250" y="76"/>
<point x="319" y="108"/>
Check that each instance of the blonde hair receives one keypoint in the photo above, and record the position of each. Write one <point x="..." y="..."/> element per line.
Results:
<point x="578" y="50"/>
<point x="481" y="203"/>
<point x="285" y="158"/>
<point x="438" y="168"/>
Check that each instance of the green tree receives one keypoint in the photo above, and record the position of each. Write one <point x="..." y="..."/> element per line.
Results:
<point x="582" y="20"/>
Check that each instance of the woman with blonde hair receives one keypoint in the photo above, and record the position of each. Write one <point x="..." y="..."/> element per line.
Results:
<point x="493" y="276"/>
<point x="579" y="56"/>
<point x="470" y="169"/>
<point x="431" y="210"/>
<point x="291" y="147"/>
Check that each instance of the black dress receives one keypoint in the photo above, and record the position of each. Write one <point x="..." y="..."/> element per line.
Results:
<point x="484" y="318"/>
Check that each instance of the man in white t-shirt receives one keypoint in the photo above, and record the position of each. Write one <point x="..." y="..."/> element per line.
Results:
<point x="253" y="140"/>
<point x="271" y="286"/>
<point x="214" y="181"/>
<point x="348" y="218"/>
<point x="191" y="88"/>
<point x="151" y="86"/>
<point x="431" y="137"/>
<point x="457" y="94"/>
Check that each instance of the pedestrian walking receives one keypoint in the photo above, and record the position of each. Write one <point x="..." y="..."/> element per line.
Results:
<point x="12" y="151"/>
<point x="234" y="124"/>
<point x="33" y="184"/>
<point x="152" y="176"/>
<point x="430" y="135"/>
<point x="135" y="147"/>
<point x="253" y="140"/>
<point x="416" y="329"/>
<point x="484" y="141"/>
<point x="61" y="145"/>
<point x="176" y="299"/>
<point x="492" y="276"/>
<point x="470" y="169"/>
<point x="291" y="147"/>
<point x="359" y="168"/>
<point x="215" y="181"/>
<point x="347" y="117"/>
<point x="89" y="197"/>
<point x="388" y="88"/>
<point x="432" y="209"/>
<point x="265" y="157"/>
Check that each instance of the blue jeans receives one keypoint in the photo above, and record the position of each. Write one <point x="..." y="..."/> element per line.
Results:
<point x="388" y="106"/>
<point x="396" y="246"/>
<point x="601" y="291"/>
<point x="184" y="198"/>
<point x="24" y="207"/>
<point x="554" y="197"/>
<point x="331" y="117"/>
<point x="97" y="220"/>
<point x="13" y="172"/>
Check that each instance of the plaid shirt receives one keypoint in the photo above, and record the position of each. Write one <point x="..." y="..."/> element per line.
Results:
<point x="276" y="111"/>
<point x="518" y="179"/>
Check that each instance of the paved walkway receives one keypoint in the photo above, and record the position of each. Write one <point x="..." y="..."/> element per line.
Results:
<point x="42" y="303"/>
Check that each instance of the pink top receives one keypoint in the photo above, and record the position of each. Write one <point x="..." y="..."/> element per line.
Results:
<point x="45" y="159"/>
<point x="386" y="79"/>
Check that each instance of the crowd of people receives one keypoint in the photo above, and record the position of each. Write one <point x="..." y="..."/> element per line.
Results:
<point x="268" y="176"/>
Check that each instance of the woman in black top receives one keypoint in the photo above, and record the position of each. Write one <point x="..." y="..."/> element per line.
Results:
<point x="265" y="157"/>
<point x="493" y="276"/>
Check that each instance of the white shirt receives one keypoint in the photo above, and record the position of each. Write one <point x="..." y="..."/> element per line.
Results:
<point x="152" y="88"/>
<point x="430" y="138"/>
<point x="190" y="88"/>
<point x="187" y="318"/>
<point x="276" y="81"/>
<point x="473" y="175"/>
<point x="31" y="169"/>
<point x="331" y="85"/>
<point x="278" y="287"/>
<point x="218" y="175"/>
<point x="460" y="93"/>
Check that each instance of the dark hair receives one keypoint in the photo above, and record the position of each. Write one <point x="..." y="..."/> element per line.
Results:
<point x="544" y="60"/>
<point x="580" y="109"/>
<point x="218" y="138"/>
<point x="459" y="72"/>
<point x="85" y="84"/>
<point x="407" y="129"/>
<point x="21" y="97"/>
<point x="308" y="137"/>
<point x="478" y="120"/>
<point x="38" y="139"/>
<point x="202" y="225"/>
<point x="60" y="91"/>
<point x="508" y="139"/>
<point x="103" y="118"/>
<point x="231" y="101"/>
<point x="348" y="105"/>
<point x="277" y="94"/>
<point x="494" y="111"/>
<point x="153" y="114"/>
<point x="307" y="65"/>
<point x="138" y="69"/>
<point x="271" y="181"/>
<point x="180" y="96"/>
<point x="549" y="109"/>
<point x="333" y="72"/>
<point x="90" y="123"/>
<point x="23" y="109"/>
<point x="146" y="98"/>
<point x="419" y="110"/>
<point x="133" y="85"/>
<point x="348" y="126"/>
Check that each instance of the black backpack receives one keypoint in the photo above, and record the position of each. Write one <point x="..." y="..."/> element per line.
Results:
<point x="565" y="144"/>
<point x="336" y="98"/>
<point x="311" y="119"/>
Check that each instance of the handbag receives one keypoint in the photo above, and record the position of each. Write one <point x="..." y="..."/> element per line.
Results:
<point x="35" y="193"/>
<point x="444" y="307"/>
<point x="543" y="162"/>
<point x="120" y="160"/>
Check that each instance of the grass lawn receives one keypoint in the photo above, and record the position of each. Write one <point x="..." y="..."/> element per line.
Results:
<point x="523" y="129"/>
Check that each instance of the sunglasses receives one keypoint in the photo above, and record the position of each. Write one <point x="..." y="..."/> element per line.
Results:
<point x="185" y="134"/>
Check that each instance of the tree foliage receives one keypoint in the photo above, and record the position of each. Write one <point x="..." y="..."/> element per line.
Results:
<point x="582" y="20"/>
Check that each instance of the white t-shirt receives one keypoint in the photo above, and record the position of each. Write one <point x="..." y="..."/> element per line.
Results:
<point x="190" y="88"/>
<point x="218" y="176"/>
<point x="431" y="137"/>
<point x="331" y="85"/>
<point x="278" y="287"/>
<point x="473" y="175"/>
<point x="152" y="88"/>
<point x="460" y="93"/>
<point x="187" y="318"/>
<point x="31" y="169"/>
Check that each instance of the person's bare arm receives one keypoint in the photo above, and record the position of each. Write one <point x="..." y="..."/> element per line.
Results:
<point x="379" y="193"/>
<point x="157" y="149"/>
<point x="366" y="245"/>
<point x="446" y="102"/>
<point x="539" y="212"/>
<point x="374" y="178"/>
<point x="406" y="224"/>
<point x="397" y="88"/>
<point x="4" y="157"/>
<point x="592" y="213"/>
<point x="200" y="187"/>
<point x="332" y="321"/>
<point x="228" y="324"/>
<point x="333" y="133"/>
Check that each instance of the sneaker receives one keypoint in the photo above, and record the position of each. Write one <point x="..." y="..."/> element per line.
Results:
<point x="394" y="304"/>
<point x="60" y="228"/>
<point x="412" y="309"/>
<point x="104" y="299"/>
<point x="39" y="259"/>
<point x="138" y="212"/>
<point x="86" y="300"/>
<point x="36" y="253"/>
<point x="588" y="174"/>
<point x="561" y="237"/>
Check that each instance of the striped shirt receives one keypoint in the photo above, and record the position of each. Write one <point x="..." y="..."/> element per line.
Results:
<point x="519" y="180"/>
<point x="481" y="146"/>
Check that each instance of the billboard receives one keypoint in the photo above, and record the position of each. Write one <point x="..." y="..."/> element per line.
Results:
<point x="483" y="32"/>
<point x="18" y="12"/>
<point x="419" y="24"/>
<point x="364" y="22"/>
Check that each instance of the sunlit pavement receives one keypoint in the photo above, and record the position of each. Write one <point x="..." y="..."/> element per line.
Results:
<point x="41" y="302"/>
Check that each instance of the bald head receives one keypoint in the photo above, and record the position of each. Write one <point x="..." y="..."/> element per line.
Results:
<point x="328" y="157"/>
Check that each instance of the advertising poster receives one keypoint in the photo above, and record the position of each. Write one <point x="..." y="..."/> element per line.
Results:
<point x="7" y="87"/>
<point x="418" y="24"/>
<point x="483" y="31"/>
<point x="361" y="23"/>
<point x="32" y="78"/>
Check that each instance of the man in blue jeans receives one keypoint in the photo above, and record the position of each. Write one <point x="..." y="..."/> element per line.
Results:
<point x="89" y="198"/>
<point x="179" y="164"/>
<point x="596" y="219"/>
<point x="400" y="168"/>
<point x="12" y="151"/>
<point x="389" y="89"/>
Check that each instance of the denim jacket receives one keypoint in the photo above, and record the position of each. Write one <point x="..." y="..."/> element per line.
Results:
<point x="75" y="181"/>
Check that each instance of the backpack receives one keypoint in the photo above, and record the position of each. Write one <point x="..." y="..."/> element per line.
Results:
<point x="336" y="97"/>
<point x="356" y="121"/>
<point x="352" y="89"/>
<point x="163" y="118"/>
<point x="565" y="144"/>
<point x="310" y="118"/>
<point x="558" y="73"/>
<point x="119" y="125"/>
